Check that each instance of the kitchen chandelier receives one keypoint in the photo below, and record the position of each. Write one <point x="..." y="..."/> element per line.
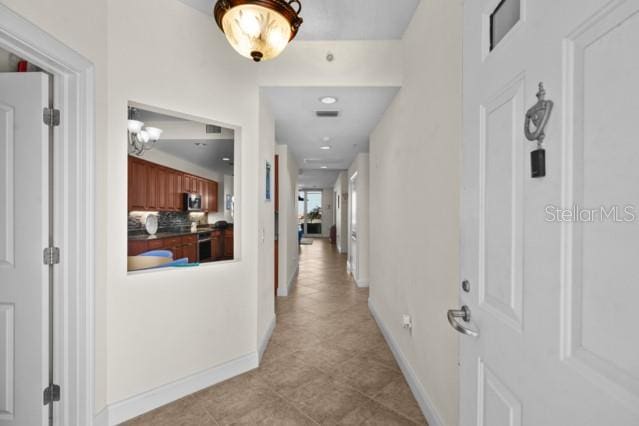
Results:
<point x="258" y="29"/>
<point x="140" y="138"/>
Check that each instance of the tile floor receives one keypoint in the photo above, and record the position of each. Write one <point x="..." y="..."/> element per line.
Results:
<point x="327" y="363"/>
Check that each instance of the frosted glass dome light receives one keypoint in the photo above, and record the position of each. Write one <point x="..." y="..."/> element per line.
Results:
<point x="258" y="29"/>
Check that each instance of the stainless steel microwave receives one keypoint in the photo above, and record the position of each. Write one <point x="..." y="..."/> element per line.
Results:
<point x="192" y="202"/>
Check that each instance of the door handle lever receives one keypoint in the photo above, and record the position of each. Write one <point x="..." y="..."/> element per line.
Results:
<point x="464" y="314"/>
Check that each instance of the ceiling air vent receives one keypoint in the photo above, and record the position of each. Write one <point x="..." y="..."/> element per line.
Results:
<point x="211" y="129"/>
<point x="327" y="114"/>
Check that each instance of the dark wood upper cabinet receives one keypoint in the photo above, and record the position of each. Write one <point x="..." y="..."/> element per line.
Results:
<point x="153" y="187"/>
<point x="163" y="189"/>
<point x="138" y="179"/>
<point x="210" y="203"/>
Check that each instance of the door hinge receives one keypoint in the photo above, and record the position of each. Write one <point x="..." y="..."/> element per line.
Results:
<point x="51" y="394"/>
<point x="51" y="256"/>
<point x="51" y="117"/>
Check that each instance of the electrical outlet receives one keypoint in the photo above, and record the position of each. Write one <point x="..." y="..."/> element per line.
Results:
<point x="407" y="322"/>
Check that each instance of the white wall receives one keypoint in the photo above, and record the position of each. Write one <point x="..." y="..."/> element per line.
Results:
<point x="266" y="211"/>
<point x="360" y="254"/>
<point x="414" y="207"/>
<point x="177" y="323"/>
<point x="341" y="188"/>
<point x="288" y="246"/>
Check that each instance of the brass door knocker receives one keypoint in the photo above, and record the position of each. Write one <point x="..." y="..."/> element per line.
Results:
<point x="538" y="116"/>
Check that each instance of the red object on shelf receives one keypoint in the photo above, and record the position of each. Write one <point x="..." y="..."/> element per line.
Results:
<point x="23" y="66"/>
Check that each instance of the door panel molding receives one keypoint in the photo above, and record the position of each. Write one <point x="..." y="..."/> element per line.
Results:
<point x="609" y="372"/>
<point x="496" y="404"/>
<point x="7" y="225"/>
<point x="507" y="306"/>
<point x="7" y="349"/>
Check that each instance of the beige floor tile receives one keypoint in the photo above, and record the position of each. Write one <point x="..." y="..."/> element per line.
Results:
<point x="326" y="400"/>
<point x="285" y="377"/>
<point x="366" y="375"/>
<point x="383" y="355"/>
<point x="188" y="411"/>
<point x="374" y="414"/>
<point x="273" y="411"/>
<point x="398" y="397"/>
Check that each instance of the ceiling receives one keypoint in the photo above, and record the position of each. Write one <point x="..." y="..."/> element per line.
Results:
<point x="188" y="140"/>
<point x="296" y="125"/>
<point x="345" y="19"/>
<point x="208" y="156"/>
<point x="309" y="179"/>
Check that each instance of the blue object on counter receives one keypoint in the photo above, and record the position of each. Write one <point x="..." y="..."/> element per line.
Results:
<point x="157" y="253"/>
<point x="180" y="262"/>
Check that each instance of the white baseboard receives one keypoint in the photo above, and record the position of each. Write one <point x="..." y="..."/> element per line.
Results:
<point x="267" y="337"/>
<point x="102" y="418"/>
<point x="362" y="283"/>
<point x="348" y="266"/>
<point x="421" y="395"/>
<point x="284" y="291"/>
<point x="132" y="407"/>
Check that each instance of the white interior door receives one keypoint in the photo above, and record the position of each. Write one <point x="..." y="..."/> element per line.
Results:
<point x="553" y="298"/>
<point x="24" y="297"/>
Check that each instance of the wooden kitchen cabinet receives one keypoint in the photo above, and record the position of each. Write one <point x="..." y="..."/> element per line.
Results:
<point x="228" y="243"/>
<point x="138" y="247"/>
<point x="137" y="184"/>
<point x="189" y="248"/>
<point x="180" y="247"/>
<point x="163" y="190"/>
<point x="216" y="245"/>
<point x="213" y="201"/>
<point x="153" y="187"/>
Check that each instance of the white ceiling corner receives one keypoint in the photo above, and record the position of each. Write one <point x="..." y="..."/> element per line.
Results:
<point x="345" y="19"/>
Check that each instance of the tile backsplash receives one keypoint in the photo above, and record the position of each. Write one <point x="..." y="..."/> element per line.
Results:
<point x="166" y="220"/>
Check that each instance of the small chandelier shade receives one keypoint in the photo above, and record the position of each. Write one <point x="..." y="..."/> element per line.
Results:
<point x="258" y="29"/>
<point x="140" y="138"/>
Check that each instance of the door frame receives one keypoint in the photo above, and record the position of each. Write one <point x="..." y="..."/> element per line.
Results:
<point x="74" y="210"/>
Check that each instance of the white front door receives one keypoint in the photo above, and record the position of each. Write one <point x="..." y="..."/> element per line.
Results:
<point x="24" y="296"/>
<point x="553" y="297"/>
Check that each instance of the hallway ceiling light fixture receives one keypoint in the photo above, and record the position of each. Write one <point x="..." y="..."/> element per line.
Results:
<point x="324" y="167"/>
<point x="328" y="100"/>
<point x="140" y="138"/>
<point x="226" y="159"/>
<point x="258" y="29"/>
<point x="325" y="147"/>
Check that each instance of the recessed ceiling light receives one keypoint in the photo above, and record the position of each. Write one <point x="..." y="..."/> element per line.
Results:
<point x="325" y="147"/>
<point x="226" y="159"/>
<point x="324" y="167"/>
<point x="328" y="100"/>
